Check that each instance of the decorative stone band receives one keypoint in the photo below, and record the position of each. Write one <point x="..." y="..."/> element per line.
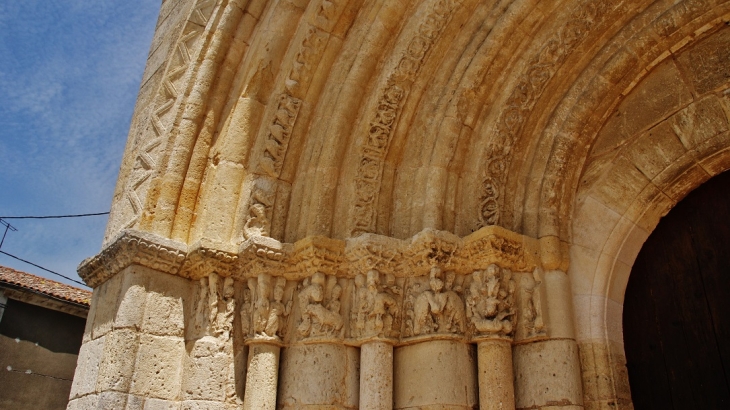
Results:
<point x="371" y="288"/>
<point x="133" y="247"/>
<point x="342" y="258"/>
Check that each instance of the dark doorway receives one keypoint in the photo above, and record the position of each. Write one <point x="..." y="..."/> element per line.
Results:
<point x="677" y="307"/>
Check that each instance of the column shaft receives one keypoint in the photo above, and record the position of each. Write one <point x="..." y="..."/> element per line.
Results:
<point x="376" y="376"/>
<point x="496" y="381"/>
<point x="262" y="377"/>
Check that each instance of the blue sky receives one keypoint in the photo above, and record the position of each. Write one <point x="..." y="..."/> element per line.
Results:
<point x="70" y="71"/>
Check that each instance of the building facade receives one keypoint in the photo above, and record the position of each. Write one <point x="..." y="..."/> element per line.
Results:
<point x="41" y="327"/>
<point x="425" y="204"/>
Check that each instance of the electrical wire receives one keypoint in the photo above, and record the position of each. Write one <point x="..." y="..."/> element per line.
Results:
<point x="54" y="216"/>
<point x="41" y="267"/>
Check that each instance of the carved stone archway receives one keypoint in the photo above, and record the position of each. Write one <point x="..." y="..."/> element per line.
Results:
<point x="326" y="202"/>
<point x="621" y="200"/>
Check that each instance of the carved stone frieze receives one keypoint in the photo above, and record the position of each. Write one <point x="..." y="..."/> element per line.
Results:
<point x="342" y="258"/>
<point x="434" y="285"/>
<point x="133" y="247"/>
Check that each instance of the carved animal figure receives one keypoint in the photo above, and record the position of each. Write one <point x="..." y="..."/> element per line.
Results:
<point x="317" y="319"/>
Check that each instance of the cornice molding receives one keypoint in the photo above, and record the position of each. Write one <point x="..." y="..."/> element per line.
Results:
<point x="294" y="261"/>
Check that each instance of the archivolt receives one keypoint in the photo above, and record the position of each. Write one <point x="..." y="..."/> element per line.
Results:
<point x="334" y="117"/>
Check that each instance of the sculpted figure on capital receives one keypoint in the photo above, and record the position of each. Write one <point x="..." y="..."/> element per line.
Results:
<point x="320" y="305"/>
<point x="247" y="307"/>
<point x="215" y="310"/>
<point x="224" y="320"/>
<point x="489" y="305"/>
<point x="440" y="308"/>
<point x="269" y="315"/>
<point x="376" y="306"/>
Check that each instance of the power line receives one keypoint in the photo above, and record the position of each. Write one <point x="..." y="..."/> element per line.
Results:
<point x="41" y="267"/>
<point x="53" y="216"/>
<point x="7" y="226"/>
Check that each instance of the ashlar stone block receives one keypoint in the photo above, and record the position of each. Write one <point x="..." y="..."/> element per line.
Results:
<point x="159" y="367"/>
<point x="87" y="368"/>
<point x="158" y="404"/>
<point x="547" y="373"/>
<point x="112" y="400"/>
<point x="117" y="366"/>
<point x="106" y="306"/>
<point x="208" y="371"/>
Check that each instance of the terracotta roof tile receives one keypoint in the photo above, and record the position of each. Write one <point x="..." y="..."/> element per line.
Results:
<point x="46" y="286"/>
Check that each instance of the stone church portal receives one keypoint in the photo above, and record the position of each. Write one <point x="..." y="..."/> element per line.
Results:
<point x="378" y="204"/>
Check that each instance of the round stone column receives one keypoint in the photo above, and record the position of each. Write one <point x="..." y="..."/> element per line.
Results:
<point x="319" y="376"/>
<point x="376" y="376"/>
<point x="262" y="376"/>
<point x="435" y="374"/>
<point x="496" y="380"/>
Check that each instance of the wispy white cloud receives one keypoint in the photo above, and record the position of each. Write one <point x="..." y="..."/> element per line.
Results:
<point x="69" y="77"/>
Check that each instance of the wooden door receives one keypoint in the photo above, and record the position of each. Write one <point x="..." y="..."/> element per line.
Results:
<point x="677" y="307"/>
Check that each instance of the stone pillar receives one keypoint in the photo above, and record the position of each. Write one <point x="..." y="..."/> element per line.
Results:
<point x="319" y="375"/>
<point x="262" y="377"/>
<point x="376" y="376"/>
<point x="547" y="371"/>
<point x="496" y="381"/>
<point x="435" y="374"/>
<point x="133" y="348"/>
